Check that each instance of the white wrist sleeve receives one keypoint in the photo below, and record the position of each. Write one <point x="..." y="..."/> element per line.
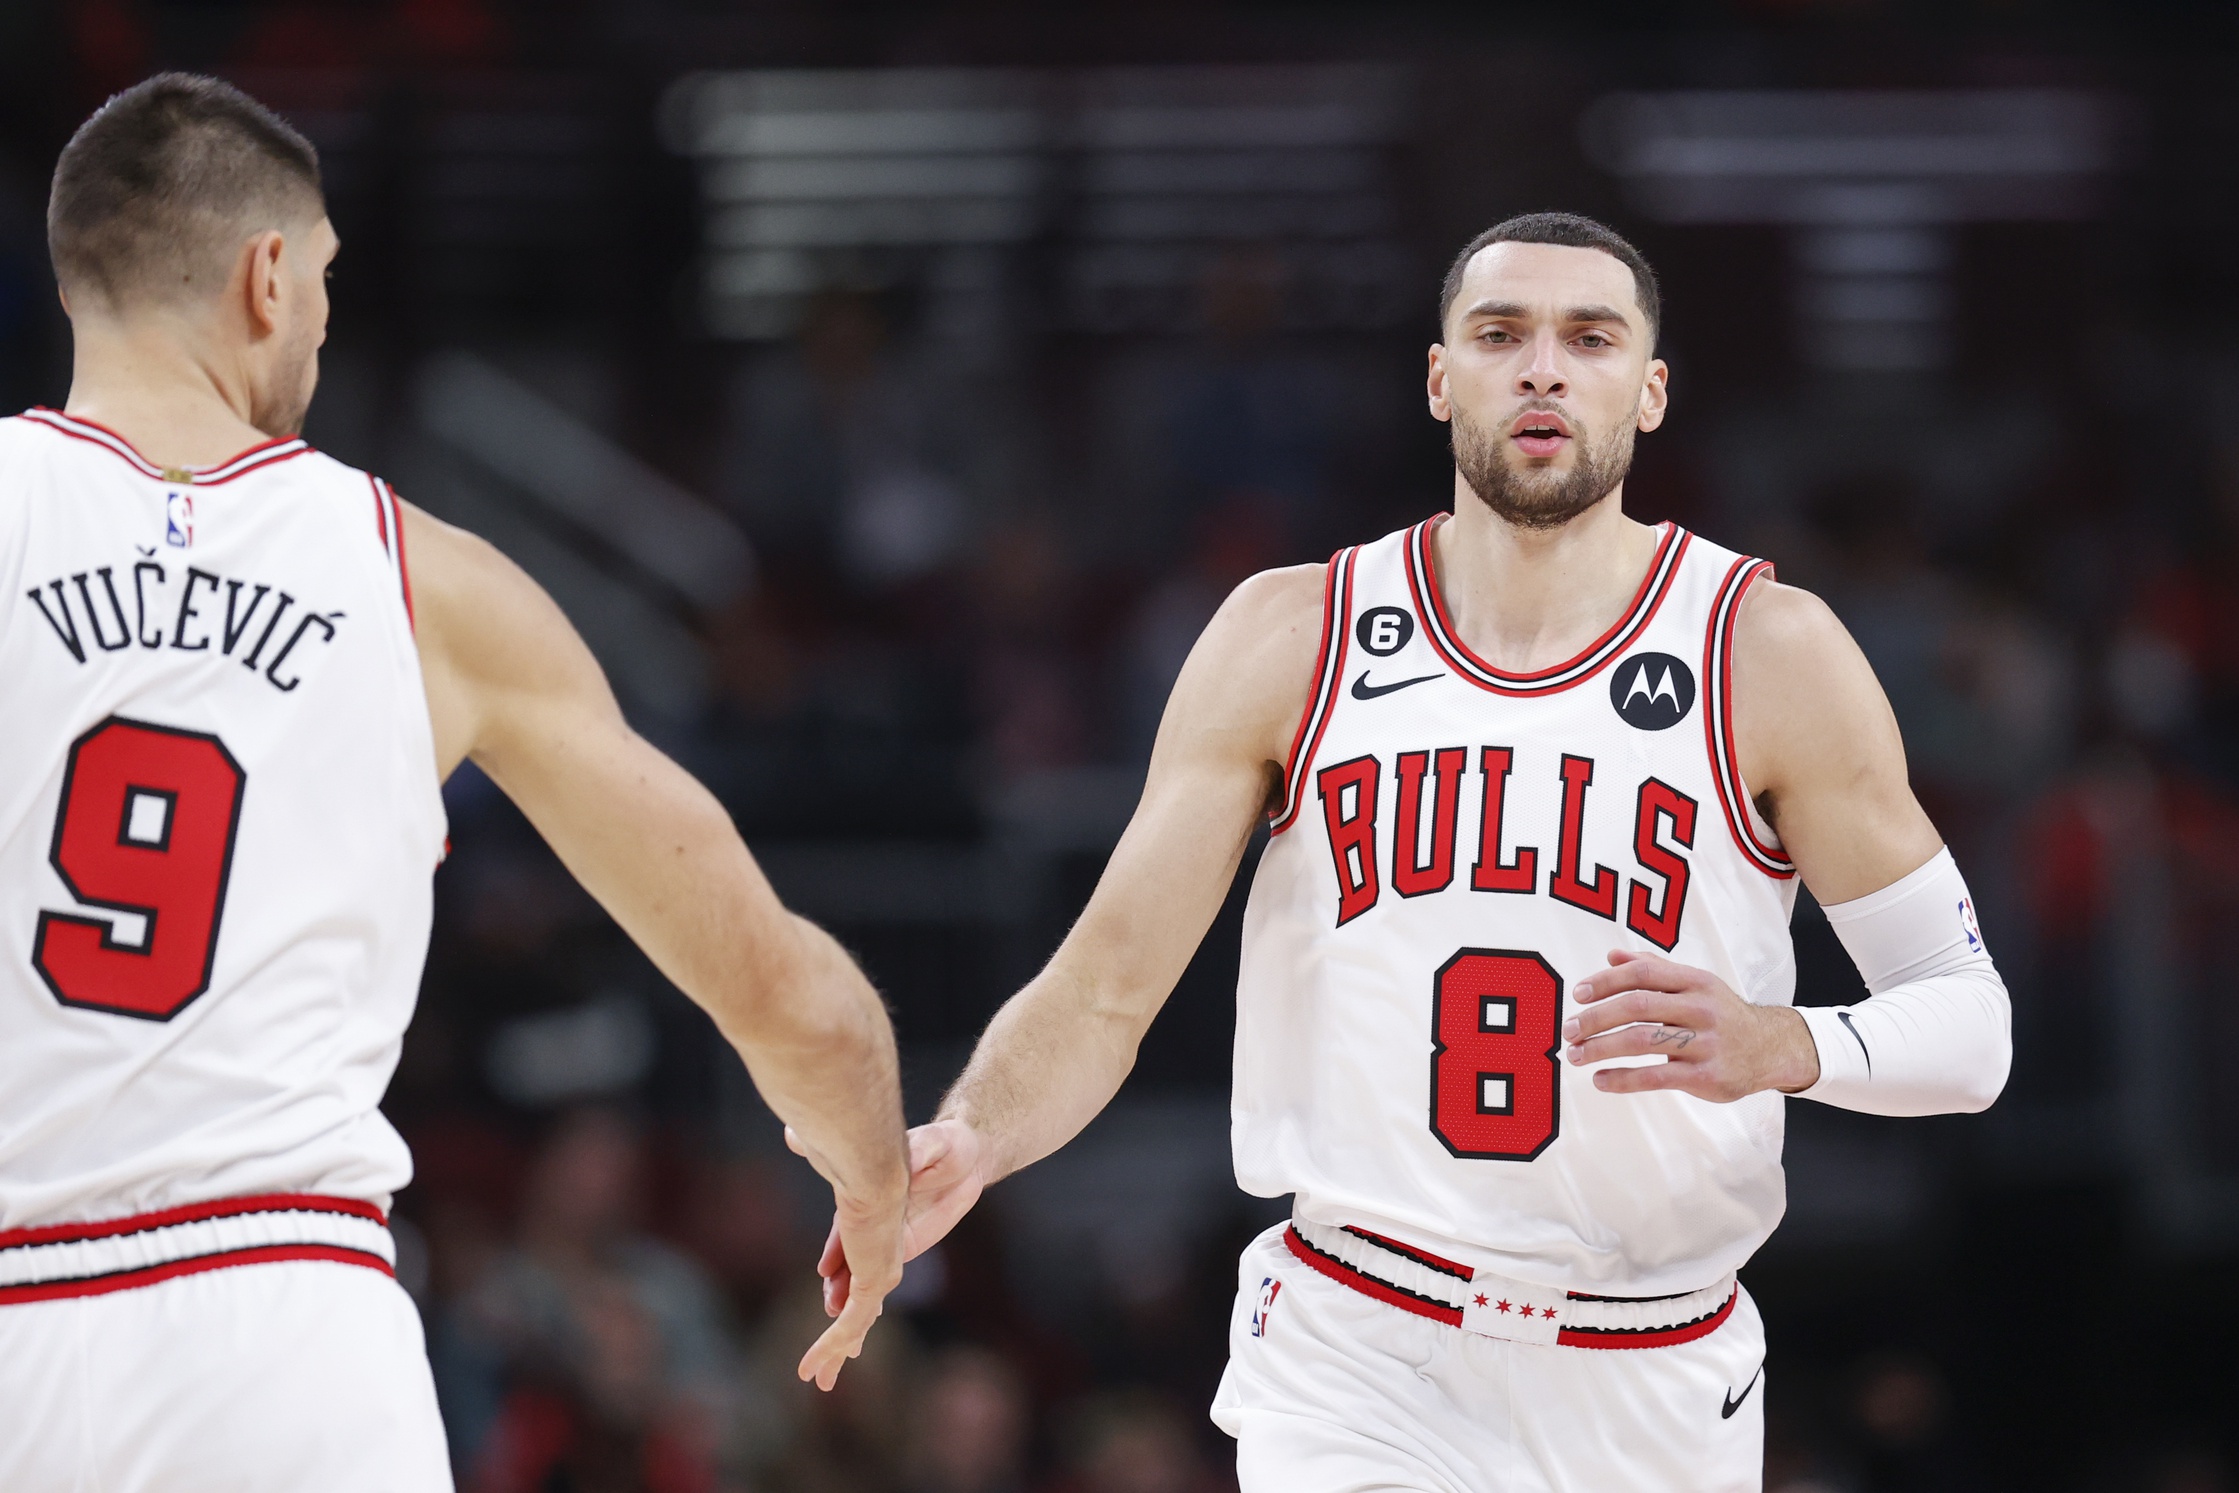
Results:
<point x="1937" y="1037"/>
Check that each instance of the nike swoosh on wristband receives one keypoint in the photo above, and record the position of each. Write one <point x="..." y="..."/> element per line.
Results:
<point x="1732" y="1404"/>
<point x="1363" y="690"/>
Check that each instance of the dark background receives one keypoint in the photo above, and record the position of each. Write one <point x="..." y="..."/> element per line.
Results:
<point x="998" y="446"/>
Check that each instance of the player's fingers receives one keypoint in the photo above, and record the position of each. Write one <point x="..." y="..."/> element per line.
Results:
<point x="840" y="1342"/>
<point x="1679" y="1043"/>
<point x="1646" y="1080"/>
<point x="1636" y="972"/>
<point x="1674" y="1008"/>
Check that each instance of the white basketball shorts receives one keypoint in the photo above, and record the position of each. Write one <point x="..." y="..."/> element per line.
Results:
<point x="264" y="1378"/>
<point x="1331" y="1391"/>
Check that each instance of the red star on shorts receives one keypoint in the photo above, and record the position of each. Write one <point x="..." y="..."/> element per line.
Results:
<point x="1548" y="1312"/>
<point x="1504" y="1307"/>
<point x="1480" y="1301"/>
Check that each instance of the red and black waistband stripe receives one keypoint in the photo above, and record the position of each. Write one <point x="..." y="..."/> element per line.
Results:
<point x="1648" y="1337"/>
<point x="140" y="1223"/>
<point x="1368" y="1285"/>
<point x="1421" y="1257"/>
<point x="148" y="1275"/>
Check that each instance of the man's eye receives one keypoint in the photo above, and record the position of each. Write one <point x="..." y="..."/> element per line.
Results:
<point x="1593" y="339"/>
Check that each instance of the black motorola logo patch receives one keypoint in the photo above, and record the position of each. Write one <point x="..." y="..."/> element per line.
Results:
<point x="1652" y="691"/>
<point x="1383" y="631"/>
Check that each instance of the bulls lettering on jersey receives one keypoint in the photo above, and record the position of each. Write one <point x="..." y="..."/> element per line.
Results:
<point x="1458" y="845"/>
<point x="218" y="816"/>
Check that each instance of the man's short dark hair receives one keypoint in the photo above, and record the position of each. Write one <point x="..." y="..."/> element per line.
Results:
<point x="156" y="191"/>
<point x="1571" y="231"/>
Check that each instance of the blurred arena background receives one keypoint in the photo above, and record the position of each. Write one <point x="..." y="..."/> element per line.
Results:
<point x="890" y="392"/>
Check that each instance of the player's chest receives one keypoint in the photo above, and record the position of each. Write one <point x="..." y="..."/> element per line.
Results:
<point x="1592" y="800"/>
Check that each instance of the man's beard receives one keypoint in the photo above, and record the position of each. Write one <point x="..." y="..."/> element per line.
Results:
<point x="1539" y="500"/>
<point x="282" y="411"/>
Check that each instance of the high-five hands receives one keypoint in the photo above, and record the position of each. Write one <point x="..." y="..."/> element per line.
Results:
<point x="867" y="1235"/>
<point x="1720" y="1046"/>
<point x="947" y="1174"/>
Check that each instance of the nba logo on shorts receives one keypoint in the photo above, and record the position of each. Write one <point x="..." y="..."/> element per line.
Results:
<point x="1269" y="1289"/>
<point x="1969" y="926"/>
<point x="178" y="520"/>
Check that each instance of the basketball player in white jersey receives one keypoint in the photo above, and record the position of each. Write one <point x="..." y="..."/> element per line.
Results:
<point x="234" y="673"/>
<point x="1514" y="1024"/>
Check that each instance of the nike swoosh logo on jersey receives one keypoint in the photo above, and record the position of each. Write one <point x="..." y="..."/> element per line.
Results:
<point x="1363" y="690"/>
<point x="1733" y="1403"/>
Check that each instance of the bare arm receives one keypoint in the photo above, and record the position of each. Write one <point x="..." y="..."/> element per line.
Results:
<point x="511" y="685"/>
<point x="1059" y="1049"/>
<point x="1819" y="748"/>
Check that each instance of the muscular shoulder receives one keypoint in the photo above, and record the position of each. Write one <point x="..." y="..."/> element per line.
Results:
<point x="1800" y="685"/>
<point x="487" y="633"/>
<point x="1247" y="679"/>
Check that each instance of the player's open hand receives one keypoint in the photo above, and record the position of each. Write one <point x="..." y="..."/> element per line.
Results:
<point x="865" y="1253"/>
<point x="946" y="1177"/>
<point x="1719" y="1046"/>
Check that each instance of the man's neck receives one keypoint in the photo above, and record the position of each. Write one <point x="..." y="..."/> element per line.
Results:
<point x="1529" y="599"/>
<point x="147" y="382"/>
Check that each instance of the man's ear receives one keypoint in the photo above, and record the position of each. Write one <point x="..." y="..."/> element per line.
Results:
<point x="1435" y="384"/>
<point x="1655" y="395"/>
<point x="264" y="288"/>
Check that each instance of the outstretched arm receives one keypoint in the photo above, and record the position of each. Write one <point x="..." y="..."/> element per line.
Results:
<point x="1059" y="1049"/>
<point x="511" y="685"/>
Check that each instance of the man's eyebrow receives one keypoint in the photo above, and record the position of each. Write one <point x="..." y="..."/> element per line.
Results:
<point x="1594" y="313"/>
<point x="1517" y="310"/>
<point x="1506" y="310"/>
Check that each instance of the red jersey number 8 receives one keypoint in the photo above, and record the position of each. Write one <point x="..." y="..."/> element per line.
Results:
<point x="145" y="829"/>
<point x="1495" y="1082"/>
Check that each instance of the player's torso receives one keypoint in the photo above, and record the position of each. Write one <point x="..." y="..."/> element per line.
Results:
<point x="1459" y="847"/>
<point x="218" y="816"/>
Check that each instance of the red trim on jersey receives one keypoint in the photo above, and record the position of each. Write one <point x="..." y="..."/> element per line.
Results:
<point x="1337" y="618"/>
<point x="1718" y="718"/>
<point x="380" y="512"/>
<point x="263" y="454"/>
<point x="1421" y="563"/>
<point x="1369" y="1285"/>
<point x="140" y="1223"/>
<point x="148" y="1275"/>
<point x="403" y="564"/>
<point x="1660" y="1337"/>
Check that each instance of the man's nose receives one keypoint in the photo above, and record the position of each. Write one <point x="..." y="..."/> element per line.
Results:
<point x="1542" y="376"/>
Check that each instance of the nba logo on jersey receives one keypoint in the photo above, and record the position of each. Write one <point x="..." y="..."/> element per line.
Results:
<point x="1269" y="1289"/>
<point x="178" y="520"/>
<point x="1969" y="926"/>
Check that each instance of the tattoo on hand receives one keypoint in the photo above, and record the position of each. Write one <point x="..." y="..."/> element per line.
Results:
<point x="1675" y="1036"/>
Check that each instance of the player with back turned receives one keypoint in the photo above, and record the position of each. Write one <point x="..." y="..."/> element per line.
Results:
<point x="1514" y="1021"/>
<point x="235" y="673"/>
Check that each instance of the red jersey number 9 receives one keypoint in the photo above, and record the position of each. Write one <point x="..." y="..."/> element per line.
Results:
<point x="145" y="829"/>
<point x="1495" y="1084"/>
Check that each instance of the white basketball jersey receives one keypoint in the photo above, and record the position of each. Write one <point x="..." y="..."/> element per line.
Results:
<point x="1458" y="846"/>
<point x="218" y="819"/>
